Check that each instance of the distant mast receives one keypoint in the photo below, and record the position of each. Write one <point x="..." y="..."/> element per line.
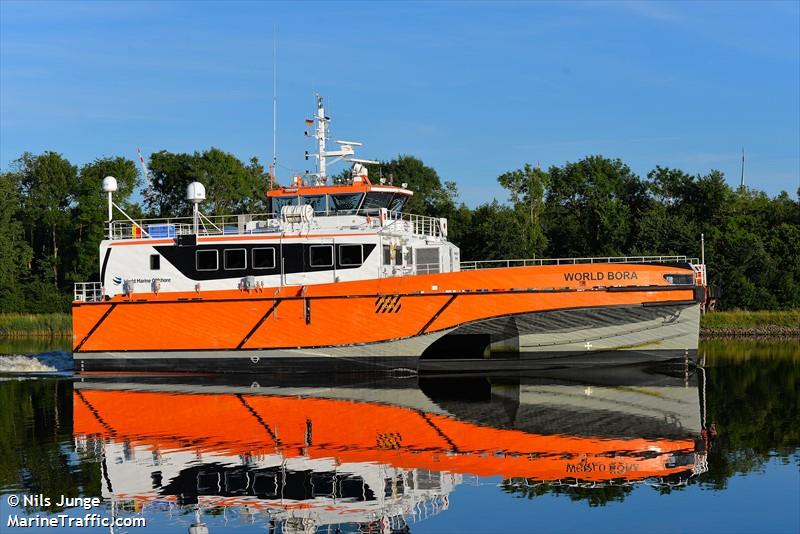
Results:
<point x="322" y="137"/>
<point x="741" y="180"/>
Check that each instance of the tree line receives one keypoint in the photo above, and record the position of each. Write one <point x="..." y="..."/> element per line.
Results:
<point x="52" y="214"/>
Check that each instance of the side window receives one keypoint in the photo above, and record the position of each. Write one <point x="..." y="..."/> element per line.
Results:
<point x="320" y="255"/>
<point x="427" y="260"/>
<point x="350" y="255"/>
<point x="679" y="279"/>
<point x="235" y="259"/>
<point x="155" y="262"/>
<point x="207" y="260"/>
<point x="263" y="258"/>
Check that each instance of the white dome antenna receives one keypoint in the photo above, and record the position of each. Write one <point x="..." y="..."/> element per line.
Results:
<point x="109" y="184"/>
<point x="110" y="187"/>
<point x="196" y="193"/>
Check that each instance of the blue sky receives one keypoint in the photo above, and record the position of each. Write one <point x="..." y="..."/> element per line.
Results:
<point x="473" y="89"/>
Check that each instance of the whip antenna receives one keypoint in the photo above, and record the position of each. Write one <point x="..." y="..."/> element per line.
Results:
<point x="274" y="106"/>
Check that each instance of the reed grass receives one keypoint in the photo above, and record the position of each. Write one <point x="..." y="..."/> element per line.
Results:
<point x="21" y="325"/>
<point x="751" y="319"/>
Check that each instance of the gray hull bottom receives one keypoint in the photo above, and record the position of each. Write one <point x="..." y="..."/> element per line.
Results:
<point x="579" y="337"/>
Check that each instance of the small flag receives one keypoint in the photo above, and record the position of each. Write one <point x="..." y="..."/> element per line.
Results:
<point x="309" y="122"/>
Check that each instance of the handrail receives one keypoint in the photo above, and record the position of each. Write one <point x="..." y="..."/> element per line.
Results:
<point x="495" y="264"/>
<point x="87" y="292"/>
<point x="419" y="225"/>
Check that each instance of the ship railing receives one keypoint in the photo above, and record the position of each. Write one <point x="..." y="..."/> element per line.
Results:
<point x="215" y="225"/>
<point x="87" y="292"/>
<point x="208" y="225"/>
<point x="496" y="264"/>
<point x="418" y="225"/>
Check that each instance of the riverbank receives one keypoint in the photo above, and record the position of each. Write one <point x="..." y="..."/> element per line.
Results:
<point x="736" y="323"/>
<point x="741" y="323"/>
<point x="35" y="325"/>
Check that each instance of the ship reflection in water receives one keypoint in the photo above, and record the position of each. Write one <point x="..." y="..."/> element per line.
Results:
<point x="378" y="455"/>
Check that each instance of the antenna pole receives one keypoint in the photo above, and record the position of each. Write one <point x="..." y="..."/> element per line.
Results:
<point x="322" y="134"/>
<point x="274" y="105"/>
<point x="741" y="181"/>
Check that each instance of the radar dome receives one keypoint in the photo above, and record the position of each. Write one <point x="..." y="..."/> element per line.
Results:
<point x="195" y="193"/>
<point x="109" y="184"/>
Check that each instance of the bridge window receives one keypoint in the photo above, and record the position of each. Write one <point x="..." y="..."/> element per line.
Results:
<point x="279" y="202"/>
<point x="345" y="202"/>
<point x="397" y="203"/>
<point x="374" y="201"/>
<point x="351" y="255"/>
<point x="207" y="260"/>
<point x="155" y="262"/>
<point x="317" y="202"/>
<point x="235" y="259"/>
<point x="263" y="258"/>
<point x="320" y="255"/>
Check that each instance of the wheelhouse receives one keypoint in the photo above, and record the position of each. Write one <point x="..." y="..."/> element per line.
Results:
<point x="345" y="199"/>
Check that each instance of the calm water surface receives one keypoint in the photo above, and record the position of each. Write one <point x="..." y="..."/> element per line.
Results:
<point x="713" y="449"/>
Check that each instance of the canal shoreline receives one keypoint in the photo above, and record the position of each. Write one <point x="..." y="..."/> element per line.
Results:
<point x="764" y="324"/>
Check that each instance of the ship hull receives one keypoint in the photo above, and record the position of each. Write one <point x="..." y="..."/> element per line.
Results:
<point x="535" y="313"/>
<point x="615" y="335"/>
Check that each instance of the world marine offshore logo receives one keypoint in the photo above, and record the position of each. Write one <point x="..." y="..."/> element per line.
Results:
<point x="118" y="280"/>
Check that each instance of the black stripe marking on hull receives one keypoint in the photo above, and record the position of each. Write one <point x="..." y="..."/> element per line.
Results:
<point x="436" y="315"/>
<point x="258" y="324"/>
<point x="95" y="327"/>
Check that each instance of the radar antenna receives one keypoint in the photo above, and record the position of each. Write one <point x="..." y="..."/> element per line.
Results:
<point x="346" y="148"/>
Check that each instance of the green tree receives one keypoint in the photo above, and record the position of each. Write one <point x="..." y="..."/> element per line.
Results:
<point x="493" y="234"/>
<point x="15" y="253"/>
<point x="527" y="188"/>
<point x="231" y="186"/>
<point x="592" y="207"/>
<point x="430" y="198"/>
<point x="47" y="183"/>
<point x="90" y="211"/>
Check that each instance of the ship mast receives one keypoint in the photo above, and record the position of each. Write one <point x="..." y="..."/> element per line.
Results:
<point x="345" y="152"/>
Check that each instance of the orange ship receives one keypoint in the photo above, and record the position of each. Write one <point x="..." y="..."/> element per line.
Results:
<point x="340" y="272"/>
<point x="366" y="452"/>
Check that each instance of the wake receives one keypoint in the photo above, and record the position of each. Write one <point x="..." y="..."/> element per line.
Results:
<point x="46" y="362"/>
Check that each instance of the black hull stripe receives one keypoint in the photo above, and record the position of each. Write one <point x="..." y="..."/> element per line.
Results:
<point x="436" y="315"/>
<point x="257" y="325"/>
<point x="95" y="327"/>
<point x="293" y="347"/>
